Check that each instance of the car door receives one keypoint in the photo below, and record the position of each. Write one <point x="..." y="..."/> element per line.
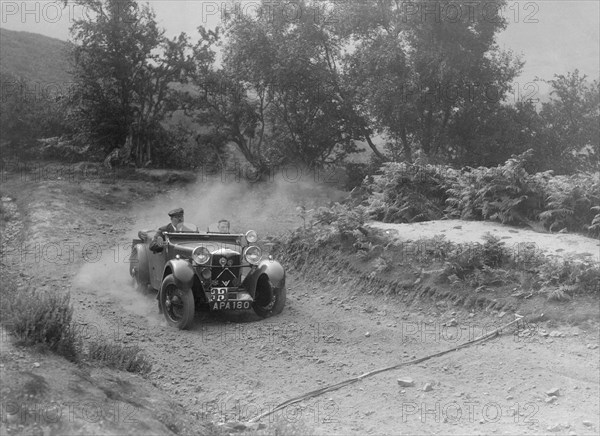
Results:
<point x="157" y="263"/>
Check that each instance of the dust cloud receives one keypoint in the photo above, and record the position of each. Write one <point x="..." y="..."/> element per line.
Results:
<point x="268" y="207"/>
<point x="108" y="279"/>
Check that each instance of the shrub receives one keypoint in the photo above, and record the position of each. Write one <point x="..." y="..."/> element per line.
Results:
<point x="464" y="260"/>
<point x="344" y="219"/>
<point x="572" y="202"/>
<point x="506" y="193"/>
<point x="594" y="227"/>
<point x="494" y="251"/>
<point x="406" y="193"/>
<point x="527" y="257"/>
<point x="569" y="275"/>
<point x="118" y="356"/>
<point x="356" y="173"/>
<point x="38" y="317"/>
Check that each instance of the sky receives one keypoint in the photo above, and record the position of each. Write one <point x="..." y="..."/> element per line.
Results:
<point x="552" y="36"/>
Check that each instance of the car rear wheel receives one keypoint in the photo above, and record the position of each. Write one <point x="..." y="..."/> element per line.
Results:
<point x="177" y="304"/>
<point x="268" y="301"/>
<point x="135" y="271"/>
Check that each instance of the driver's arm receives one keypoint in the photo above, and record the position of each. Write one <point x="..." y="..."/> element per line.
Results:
<point x="157" y="242"/>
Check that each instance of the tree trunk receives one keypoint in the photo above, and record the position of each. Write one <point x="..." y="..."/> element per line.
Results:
<point x="373" y="146"/>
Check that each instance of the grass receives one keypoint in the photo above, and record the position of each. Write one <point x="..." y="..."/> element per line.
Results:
<point x="118" y="356"/>
<point x="40" y="318"/>
<point x="36" y="317"/>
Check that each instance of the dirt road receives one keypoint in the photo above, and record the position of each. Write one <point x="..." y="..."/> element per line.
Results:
<point x="231" y="369"/>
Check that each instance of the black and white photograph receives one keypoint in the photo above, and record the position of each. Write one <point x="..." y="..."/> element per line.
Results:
<point x="299" y="217"/>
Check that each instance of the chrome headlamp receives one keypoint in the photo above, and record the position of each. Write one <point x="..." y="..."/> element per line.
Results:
<point x="253" y="254"/>
<point x="201" y="255"/>
<point x="251" y="236"/>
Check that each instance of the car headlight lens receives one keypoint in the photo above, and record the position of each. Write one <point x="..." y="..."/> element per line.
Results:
<point x="201" y="255"/>
<point x="251" y="236"/>
<point x="253" y="254"/>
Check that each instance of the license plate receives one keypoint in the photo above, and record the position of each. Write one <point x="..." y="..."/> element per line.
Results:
<point x="218" y="294"/>
<point x="230" y="305"/>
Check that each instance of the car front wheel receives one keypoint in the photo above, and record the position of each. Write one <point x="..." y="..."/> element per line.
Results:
<point x="268" y="300"/>
<point x="177" y="304"/>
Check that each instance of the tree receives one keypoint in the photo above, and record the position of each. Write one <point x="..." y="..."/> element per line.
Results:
<point x="124" y="67"/>
<point x="279" y="94"/>
<point x="491" y="138"/>
<point x="421" y="66"/>
<point x="570" y="138"/>
<point x="27" y="115"/>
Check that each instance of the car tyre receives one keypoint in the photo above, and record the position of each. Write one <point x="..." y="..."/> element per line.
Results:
<point x="177" y="304"/>
<point x="134" y="271"/>
<point x="268" y="301"/>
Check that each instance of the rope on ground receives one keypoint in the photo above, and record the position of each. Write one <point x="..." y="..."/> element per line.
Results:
<point x="347" y="382"/>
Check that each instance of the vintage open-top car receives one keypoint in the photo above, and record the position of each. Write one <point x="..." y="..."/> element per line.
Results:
<point x="220" y="270"/>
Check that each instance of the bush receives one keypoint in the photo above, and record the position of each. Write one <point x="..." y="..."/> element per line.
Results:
<point x="341" y="218"/>
<point x="406" y="193"/>
<point x="570" y="275"/>
<point x="356" y="173"/>
<point x="573" y="202"/>
<point x="465" y="259"/>
<point x="494" y="251"/>
<point x="118" y="356"/>
<point x="505" y="193"/>
<point x="38" y="317"/>
<point x="26" y="115"/>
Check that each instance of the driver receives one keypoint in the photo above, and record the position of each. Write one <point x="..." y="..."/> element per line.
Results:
<point x="176" y="225"/>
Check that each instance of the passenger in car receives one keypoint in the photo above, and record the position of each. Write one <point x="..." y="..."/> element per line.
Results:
<point x="223" y="226"/>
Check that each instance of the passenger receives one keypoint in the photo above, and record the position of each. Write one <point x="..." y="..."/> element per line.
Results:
<point x="223" y="226"/>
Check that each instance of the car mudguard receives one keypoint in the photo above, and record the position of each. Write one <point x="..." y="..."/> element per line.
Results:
<point x="182" y="271"/>
<point x="140" y="255"/>
<point x="272" y="269"/>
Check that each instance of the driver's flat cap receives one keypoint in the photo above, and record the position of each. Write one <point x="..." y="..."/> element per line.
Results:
<point x="176" y="212"/>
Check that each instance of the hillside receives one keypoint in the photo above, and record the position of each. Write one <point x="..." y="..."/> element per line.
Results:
<point x="346" y="314"/>
<point x="34" y="57"/>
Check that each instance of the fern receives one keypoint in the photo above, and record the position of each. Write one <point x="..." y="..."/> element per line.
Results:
<point x="506" y="193"/>
<point x="407" y="193"/>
